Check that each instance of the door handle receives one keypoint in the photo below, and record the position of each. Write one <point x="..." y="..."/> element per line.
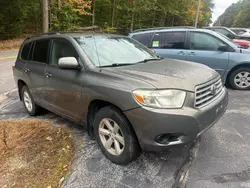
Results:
<point x="26" y="70"/>
<point x="192" y="53"/>
<point x="48" y="75"/>
<point x="181" y="53"/>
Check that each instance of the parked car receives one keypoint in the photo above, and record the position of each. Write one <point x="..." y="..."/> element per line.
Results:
<point x="129" y="98"/>
<point x="241" y="31"/>
<point x="227" y="32"/>
<point x="244" y="43"/>
<point x="241" y="43"/>
<point x="201" y="46"/>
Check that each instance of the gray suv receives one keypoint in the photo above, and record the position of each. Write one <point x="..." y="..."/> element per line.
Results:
<point x="129" y="98"/>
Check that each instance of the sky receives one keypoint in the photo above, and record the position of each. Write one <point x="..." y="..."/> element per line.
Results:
<point x="220" y="7"/>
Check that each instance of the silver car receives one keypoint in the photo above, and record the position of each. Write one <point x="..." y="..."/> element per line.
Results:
<point x="129" y="98"/>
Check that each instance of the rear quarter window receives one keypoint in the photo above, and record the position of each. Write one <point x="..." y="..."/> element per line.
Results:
<point x="25" y="51"/>
<point x="144" y="38"/>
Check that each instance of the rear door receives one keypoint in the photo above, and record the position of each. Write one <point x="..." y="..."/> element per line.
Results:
<point x="35" y="68"/>
<point x="23" y="57"/>
<point x="204" y="50"/>
<point x="63" y="86"/>
<point x="170" y="44"/>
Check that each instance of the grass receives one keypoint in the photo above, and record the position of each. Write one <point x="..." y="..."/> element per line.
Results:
<point x="34" y="153"/>
<point x="10" y="44"/>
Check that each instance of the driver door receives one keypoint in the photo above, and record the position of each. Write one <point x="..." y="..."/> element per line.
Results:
<point x="203" y="48"/>
<point x="63" y="86"/>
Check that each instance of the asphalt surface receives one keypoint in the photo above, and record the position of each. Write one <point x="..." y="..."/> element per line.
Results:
<point x="7" y="60"/>
<point x="221" y="159"/>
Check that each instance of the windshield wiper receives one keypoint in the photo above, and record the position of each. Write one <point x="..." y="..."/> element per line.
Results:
<point x="150" y="59"/>
<point x="117" y="65"/>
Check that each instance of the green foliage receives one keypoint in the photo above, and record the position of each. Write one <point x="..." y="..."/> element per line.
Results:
<point x="65" y="19"/>
<point x="18" y="15"/>
<point x="237" y="15"/>
<point x="25" y="16"/>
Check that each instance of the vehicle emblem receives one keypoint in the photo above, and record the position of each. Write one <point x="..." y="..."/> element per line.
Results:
<point x="213" y="89"/>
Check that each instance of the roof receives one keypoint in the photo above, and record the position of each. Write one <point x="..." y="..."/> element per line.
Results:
<point x="72" y="34"/>
<point x="162" y="28"/>
<point x="168" y="30"/>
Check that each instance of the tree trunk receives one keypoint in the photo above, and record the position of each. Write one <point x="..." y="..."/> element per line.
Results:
<point x="59" y="4"/>
<point x="132" y="18"/>
<point x="173" y="20"/>
<point x="93" y="12"/>
<point x="113" y="13"/>
<point x="140" y="20"/>
<point x="197" y="14"/>
<point x="45" y="16"/>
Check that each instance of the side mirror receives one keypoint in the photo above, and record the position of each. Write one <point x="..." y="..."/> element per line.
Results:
<point x="68" y="63"/>
<point x="223" y="48"/>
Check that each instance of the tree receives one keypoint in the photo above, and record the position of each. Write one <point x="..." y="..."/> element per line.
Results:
<point x="25" y="16"/>
<point x="236" y="15"/>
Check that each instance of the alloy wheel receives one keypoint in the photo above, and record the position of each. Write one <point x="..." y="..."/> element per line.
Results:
<point x="242" y="79"/>
<point x="111" y="136"/>
<point x="27" y="101"/>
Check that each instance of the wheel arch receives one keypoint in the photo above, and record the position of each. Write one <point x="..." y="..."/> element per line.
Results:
<point x="20" y="84"/>
<point x="96" y="105"/>
<point x="245" y="64"/>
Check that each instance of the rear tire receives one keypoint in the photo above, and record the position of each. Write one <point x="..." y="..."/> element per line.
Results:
<point x="28" y="102"/>
<point x="117" y="140"/>
<point x="240" y="79"/>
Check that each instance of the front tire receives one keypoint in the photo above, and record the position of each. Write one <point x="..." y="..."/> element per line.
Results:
<point x="28" y="102"/>
<point x="240" y="79"/>
<point x="115" y="136"/>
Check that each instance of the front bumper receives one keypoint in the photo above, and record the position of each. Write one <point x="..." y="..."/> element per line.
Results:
<point x="188" y="122"/>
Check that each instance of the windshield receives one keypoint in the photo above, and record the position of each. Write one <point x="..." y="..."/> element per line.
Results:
<point x="110" y="50"/>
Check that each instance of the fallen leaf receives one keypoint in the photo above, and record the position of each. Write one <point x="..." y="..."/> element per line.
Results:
<point x="49" y="138"/>
<point x="60" y="182"/>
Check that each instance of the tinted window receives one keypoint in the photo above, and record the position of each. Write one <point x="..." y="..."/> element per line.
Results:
<point x="204" y="41"/>
<point x="62" y="48"/>
<point x="223" y="31"/>
<point x="144" y="38"/>
<point x="41" y="51"/>
<point x="237" y="31"/>
<point x="169" y="40"/>
<point x="25" y="51"/>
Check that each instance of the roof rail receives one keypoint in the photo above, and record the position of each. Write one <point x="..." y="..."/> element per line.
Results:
<point x="43" y="34"/>
<point x="51" y="33"/>
<point x="161" y="28"/>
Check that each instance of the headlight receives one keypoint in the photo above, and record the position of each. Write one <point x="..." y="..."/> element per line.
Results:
<point x="160" y="98"/>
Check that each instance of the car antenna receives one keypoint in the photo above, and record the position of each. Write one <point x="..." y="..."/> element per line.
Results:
<point x="97" y="53"/>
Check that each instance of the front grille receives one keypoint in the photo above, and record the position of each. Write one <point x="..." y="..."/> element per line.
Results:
<point x="206" y="93"/>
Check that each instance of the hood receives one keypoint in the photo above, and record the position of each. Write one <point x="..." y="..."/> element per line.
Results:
<point x="168" y="73"/>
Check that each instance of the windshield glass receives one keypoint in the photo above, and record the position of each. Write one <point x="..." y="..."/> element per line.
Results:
<point x="109" y="50"/>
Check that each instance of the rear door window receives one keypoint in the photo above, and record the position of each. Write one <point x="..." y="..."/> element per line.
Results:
<point x="169" y="40"/>
<point x="26" y="51"/>
<point x="41" y="49"/>
<point x="144" y="38"/>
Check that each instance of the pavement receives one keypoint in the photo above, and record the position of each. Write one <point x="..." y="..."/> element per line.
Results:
<point x="221" y="159"/>
<point x="7" y="60"/>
